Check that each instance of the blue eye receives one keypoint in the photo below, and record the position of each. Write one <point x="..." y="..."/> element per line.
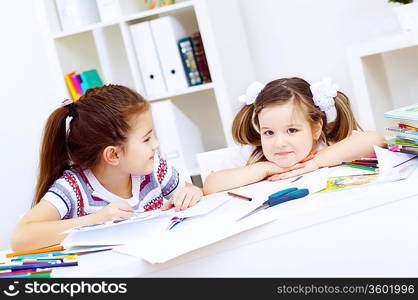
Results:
<point x="268" y="133"/>
<point x="292" y="130"/>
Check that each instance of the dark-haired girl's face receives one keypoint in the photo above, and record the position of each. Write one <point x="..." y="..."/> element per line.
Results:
<point x="139" y="150"/>
<point x="286" y="135"/>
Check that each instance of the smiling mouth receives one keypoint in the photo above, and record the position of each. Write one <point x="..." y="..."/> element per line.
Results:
<point x="283" y="153"/>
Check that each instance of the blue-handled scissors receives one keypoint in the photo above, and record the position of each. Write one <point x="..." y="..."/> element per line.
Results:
<point x="279" y="197"/>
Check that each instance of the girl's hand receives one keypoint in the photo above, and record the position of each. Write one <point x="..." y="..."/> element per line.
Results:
<point x="184" y="198"/>
<point x="115" y="211"/>
<point x="270" y="168"/>
<point x="310" y="165"/>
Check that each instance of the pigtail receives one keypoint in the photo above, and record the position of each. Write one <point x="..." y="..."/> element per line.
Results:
<point x="54" y="157"/>
<point x="345" y="121"/>
<point x="245" y="132"/>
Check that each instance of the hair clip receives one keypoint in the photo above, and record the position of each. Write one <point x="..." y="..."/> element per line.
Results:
<point x="251" y="93"/>
<point x="323" y="94"/>
<point x="66" y="102"/>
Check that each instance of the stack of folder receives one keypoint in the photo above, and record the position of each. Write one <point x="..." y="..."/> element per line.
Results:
<point x="168" y="59"/>
<point x="403" y="135"/>
<point x="36" y="263"/>
<point x="78" y="82"/>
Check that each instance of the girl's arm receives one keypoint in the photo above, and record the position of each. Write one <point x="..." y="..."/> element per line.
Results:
<point x="233" y="178"/>
<point x="353" y="147"/>
<point x="42" y="225"/>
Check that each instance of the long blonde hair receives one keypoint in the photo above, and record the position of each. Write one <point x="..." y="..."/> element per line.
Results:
<point x="245" y="127"/>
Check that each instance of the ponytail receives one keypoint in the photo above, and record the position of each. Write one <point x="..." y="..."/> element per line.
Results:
<point x="345" y="121"/>
<point x="53" y="159"/>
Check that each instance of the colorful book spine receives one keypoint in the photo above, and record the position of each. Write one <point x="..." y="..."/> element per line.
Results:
<point x="77" y="84"/>
<point x="189" y="61"/>
<point x="89" y="79"/>
<point x="70" y="85"/>
<point x="201" y="61"/>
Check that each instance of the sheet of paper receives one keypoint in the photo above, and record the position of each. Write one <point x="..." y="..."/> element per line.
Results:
<point x="174" y="243"/>
<point x="124" y="231"/>
<point x="388" y="159"/>
<point x="204" y="206"/>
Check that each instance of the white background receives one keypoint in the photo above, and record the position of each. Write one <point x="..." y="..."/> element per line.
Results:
<point x="286" y="38"/>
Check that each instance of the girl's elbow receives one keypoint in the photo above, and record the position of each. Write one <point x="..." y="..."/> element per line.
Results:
<point x="209" y="186"/>
<point x="19" y="241"/>
<point x="375" y="137"/>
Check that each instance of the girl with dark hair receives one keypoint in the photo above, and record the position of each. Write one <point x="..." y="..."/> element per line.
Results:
<point x="98" y="162"/>
<point x="291" y="128"/>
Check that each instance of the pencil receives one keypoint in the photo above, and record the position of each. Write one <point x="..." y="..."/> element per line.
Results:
<point x="43" y="250"/>
<point x="360" y="167"/>
<point x="239" y="196"/>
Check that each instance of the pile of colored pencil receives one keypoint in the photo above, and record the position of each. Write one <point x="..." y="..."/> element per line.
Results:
<point x="36" y="263"/>
<point x="369" y="163"/>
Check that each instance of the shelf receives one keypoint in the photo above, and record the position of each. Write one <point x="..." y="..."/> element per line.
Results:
<point x="385" y="44"/>
<point x="133" y="17"/>
<point x="383" y="78"/>
<point x="189" y="90"/>
<point x="158" y="11"/>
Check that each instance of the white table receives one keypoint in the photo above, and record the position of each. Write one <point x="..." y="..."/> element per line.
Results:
<point x="372" y="235"/>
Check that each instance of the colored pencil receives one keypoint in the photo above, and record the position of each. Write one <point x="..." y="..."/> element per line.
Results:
<point x="239" y="196"/>
<point x="41" y="266"/>
<point x="43" y="250"/>
<point x="360" y="167"/>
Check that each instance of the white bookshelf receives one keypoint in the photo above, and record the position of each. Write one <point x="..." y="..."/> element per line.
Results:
<point x="385" y="76"/>
<point x="107" y="47"/>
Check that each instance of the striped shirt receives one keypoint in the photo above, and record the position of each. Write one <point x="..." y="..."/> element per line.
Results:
<point x="78" y="192"/>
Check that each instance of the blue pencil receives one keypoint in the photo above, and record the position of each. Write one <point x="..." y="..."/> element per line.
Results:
<point x="42" y="266"/>
<point x="56" y="253"/>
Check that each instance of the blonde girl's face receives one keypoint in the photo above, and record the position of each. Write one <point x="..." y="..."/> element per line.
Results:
<point x="139" y="150"/>
<point x="286" y="135"/>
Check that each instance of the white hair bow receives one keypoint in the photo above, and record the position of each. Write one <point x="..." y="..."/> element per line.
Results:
<point x="251" y="94"/>
<point x="323" y="93"/>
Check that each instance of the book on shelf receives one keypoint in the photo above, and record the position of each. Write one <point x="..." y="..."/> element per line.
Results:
<point x="189" y="61"/>
<point x="200" y="55"/>
<point x="70" y="85"/>
<point x="78" y="82"/>
<point x="152" y="4"/>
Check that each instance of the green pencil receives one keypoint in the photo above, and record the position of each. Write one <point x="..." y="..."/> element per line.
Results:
<point x="41" y="275"/>
<point x="360" y="167"/>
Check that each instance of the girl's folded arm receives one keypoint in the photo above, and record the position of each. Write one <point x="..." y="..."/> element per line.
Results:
<point x="352" y="147"/>
<point x="42" y="227"/>
<point x="233" y="178"/>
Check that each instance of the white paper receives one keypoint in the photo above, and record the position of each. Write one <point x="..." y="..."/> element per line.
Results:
<point x="388" y="159"/>
<point x="143" y="223"/>
<point x="174" y="243"/>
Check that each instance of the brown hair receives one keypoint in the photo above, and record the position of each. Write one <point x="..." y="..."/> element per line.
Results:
<point x="99" y="119"/>
<point x="245" y="127"/>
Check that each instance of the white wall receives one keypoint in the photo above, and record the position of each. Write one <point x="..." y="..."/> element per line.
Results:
<point x="309" y="39"/>
<point x="28" y="94"/>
